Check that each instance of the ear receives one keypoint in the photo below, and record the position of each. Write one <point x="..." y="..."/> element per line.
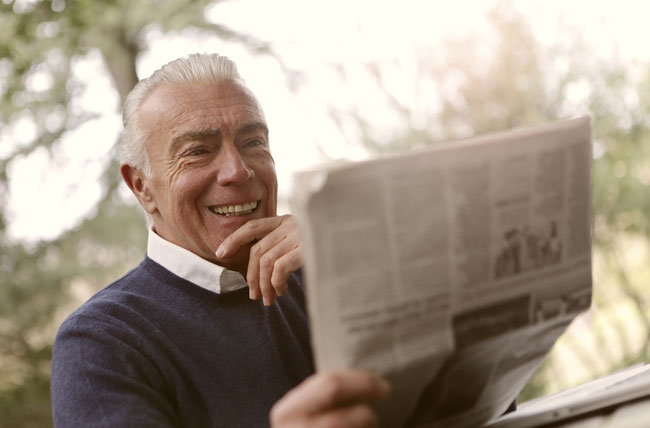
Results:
<point x="139" y="185"/>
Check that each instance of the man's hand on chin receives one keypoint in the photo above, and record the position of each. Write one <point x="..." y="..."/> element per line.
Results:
<point x="273" y="257"/>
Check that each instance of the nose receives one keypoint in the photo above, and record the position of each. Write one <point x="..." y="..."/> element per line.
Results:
<point x="232" y="167"/>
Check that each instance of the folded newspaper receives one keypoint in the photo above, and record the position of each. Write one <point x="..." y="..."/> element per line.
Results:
<point x="450" y="270"/>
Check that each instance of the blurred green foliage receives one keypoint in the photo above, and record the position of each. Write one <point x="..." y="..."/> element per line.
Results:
<point x="41" y="283"/>
<point x="522" y="82"/>
<point x="519" y="83"/>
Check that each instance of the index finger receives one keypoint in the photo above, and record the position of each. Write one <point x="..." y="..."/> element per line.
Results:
<point x="247" y="233"/>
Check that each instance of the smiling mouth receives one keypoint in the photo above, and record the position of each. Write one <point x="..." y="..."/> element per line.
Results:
<point x="234" y="210"/>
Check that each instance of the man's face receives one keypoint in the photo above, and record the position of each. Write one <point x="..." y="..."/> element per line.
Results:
<point x="212" y="169"/>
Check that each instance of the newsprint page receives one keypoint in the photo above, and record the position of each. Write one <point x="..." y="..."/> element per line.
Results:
<point x="451" y="270"/>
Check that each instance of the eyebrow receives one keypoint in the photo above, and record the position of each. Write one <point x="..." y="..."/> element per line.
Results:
<point x="252" y="127"/>
<point x="203" y="134"/>
<point x="206" y="134"/>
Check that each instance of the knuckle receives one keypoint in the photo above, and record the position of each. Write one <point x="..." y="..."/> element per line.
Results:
<point x="332" y="387"/>
<point x="291" y="221"/>
<point x="253" y="225"/>
<point x="252" y="280"/>
<point x="266" y="261"/>
<point x="279" y="284"/>
<point x="365" y="416"/>
<point x="280" y="268"/>
<point x="278" y="413"/>
<point x="279" y="287"/>
<point x="256" y="250"/>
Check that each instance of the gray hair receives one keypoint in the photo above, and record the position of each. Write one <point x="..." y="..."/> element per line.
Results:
<point x="194" y="68"/>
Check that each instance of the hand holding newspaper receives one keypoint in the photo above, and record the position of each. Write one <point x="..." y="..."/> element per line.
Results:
<point x="451" y="270"/>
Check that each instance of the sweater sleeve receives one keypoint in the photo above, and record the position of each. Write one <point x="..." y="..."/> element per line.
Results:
<point x="101" y="379"/>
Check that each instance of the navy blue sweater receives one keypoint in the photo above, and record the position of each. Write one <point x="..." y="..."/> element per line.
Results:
<point x="154" y="350"/>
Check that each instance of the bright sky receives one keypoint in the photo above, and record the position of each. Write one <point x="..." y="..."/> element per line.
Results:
<point x="322" y="41"/>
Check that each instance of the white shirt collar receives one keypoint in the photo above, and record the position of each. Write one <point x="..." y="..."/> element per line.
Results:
<point x="191" y="267"/>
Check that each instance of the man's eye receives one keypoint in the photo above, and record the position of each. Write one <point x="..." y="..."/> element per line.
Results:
<point x="253" y="143"/>
<point x="196" y="152"/>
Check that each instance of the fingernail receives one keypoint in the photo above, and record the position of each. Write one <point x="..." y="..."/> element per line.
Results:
<point x="220" y="252"/>
<point x="266" y="301"/>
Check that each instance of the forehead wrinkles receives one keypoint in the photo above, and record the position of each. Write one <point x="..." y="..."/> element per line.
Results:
<point x="173" y="109"/>
<point x="213" y="108"/>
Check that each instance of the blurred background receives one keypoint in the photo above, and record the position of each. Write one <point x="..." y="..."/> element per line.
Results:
<point x="342" y="79"/>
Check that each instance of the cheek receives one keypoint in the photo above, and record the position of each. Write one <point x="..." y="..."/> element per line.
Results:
<point x="186" y="191"/>
<point x="271" y="183"/>
<point x="266" y="172"/>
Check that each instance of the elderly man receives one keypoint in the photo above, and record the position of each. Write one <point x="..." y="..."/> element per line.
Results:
<point x="183" y="339"/>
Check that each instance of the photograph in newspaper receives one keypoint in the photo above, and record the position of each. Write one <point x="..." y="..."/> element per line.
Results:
<point x="451" y="270"/>
<point x="498" y="348"/>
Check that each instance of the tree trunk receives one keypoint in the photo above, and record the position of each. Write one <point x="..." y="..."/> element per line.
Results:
<point x="120" y="59"/>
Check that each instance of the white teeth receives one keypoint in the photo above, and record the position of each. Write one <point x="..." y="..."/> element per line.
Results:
<point x="228" y="210"/>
